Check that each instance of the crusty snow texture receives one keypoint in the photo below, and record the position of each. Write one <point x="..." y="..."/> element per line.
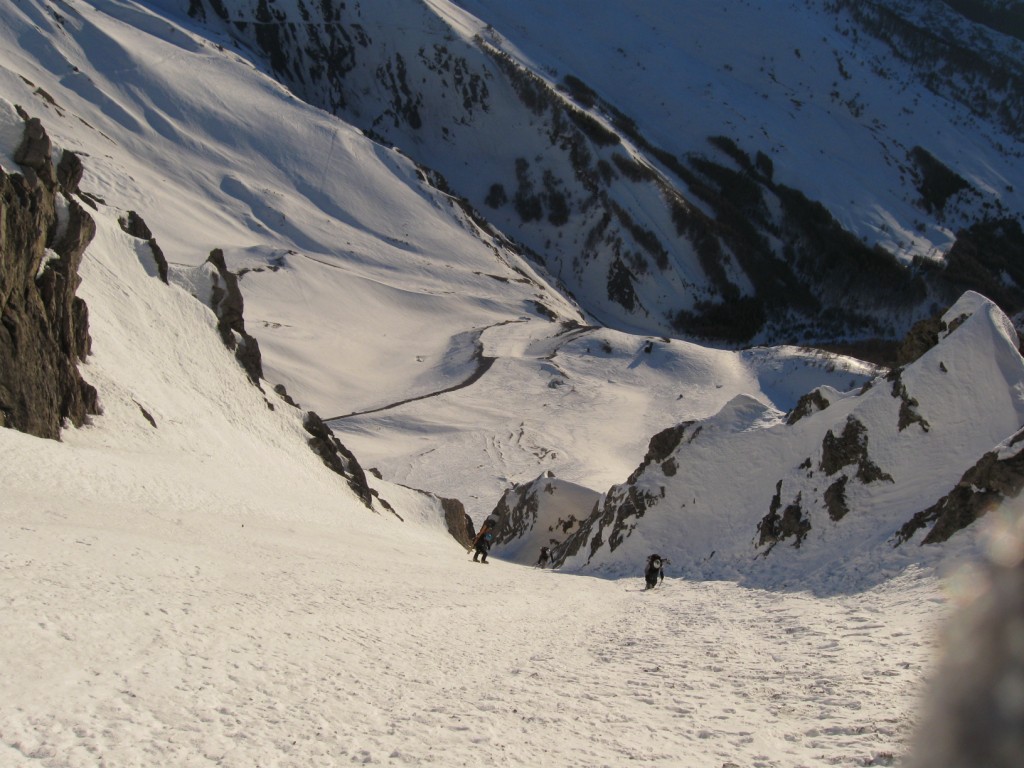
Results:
<point x="200" y="590"/>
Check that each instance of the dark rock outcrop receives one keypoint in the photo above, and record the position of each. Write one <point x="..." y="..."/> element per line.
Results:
<point x="337" y="457"/>
<point x="661" y="447"/>
<point x="518" y="508"/>
<point x="282" y="392"/>
<point x="850" y="449"/>
<point x="908" y="407"/>
<point x="133" y="225"/>
<point x="69" y="172"/>
<point x="919" y="339"/>
<point x="835" y="499"/>
<point x="998" y="475"/>
<point x="810" y="403"/>
<point x="34" y="154"/>
<point x="774" y="527"/>
<point x="228" y="304"/>
<point x="44" y="325"/>
<point x="458" y="523"/>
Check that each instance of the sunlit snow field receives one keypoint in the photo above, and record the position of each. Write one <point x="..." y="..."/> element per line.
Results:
<point x="205" y="592"/>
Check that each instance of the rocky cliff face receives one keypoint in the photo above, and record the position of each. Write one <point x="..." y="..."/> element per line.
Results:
<point x="458" y="523"/>
<point x="337" y="457"/>
<point x="227" y="303"/>
<point x="44" y="326"/>
<point x="997" y="476"/>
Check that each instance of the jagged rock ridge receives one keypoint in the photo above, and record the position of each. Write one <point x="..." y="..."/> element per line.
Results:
<point x="543" y="513"/>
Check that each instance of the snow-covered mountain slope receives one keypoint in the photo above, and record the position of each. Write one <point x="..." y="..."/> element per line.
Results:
<point x="443" y="357"/>
<point x="811" y="85"/>
<point x="825" y="495"/>
<point x="294" y="197"/>
<point x="185" y="582"/>
<point x="179" y="416"/>
<point x="742" y="172"/>
<point x="365" y="286"/>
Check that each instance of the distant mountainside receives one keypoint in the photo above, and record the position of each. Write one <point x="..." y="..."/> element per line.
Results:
<point x="963" y="51"/>
<point x="842" y="485"/>
<point x="677" y="170"/>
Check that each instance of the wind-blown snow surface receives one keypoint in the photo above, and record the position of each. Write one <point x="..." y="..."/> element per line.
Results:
<point x="205" y="592"/>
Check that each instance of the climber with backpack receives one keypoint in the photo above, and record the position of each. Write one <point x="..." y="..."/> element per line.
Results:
<point x="484" y="539"/>
<point x="654" y="572"/>
<point x="482" y="546"/>
<point x="545" y="557"/>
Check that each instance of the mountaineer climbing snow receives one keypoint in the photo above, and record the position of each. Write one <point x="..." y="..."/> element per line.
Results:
<point x="484" y="539"/>
<point x="654" y="572"/>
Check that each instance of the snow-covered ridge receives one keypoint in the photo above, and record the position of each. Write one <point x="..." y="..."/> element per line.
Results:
<point x="824" y="498"/>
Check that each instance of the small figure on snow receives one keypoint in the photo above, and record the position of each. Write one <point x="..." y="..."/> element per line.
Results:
<point x="545" y="557"/>
<point x="482" y="542"/>
<point x="482" y="545"/>
<point x="654" y="573"/>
